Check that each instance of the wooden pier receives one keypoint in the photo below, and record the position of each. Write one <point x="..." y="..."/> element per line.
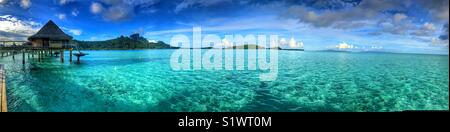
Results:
<point x="37" y="53"/>
<point x="48" y="41"/>
<point x="25" y="53"/>
<point x="3" y="100"/>
<point x="16" y="49"/>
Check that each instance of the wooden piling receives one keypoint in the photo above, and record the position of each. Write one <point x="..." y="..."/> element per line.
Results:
<point x="70" y="55"/>
<point x="39" y="56"/>
<point x="23" y="56"/>
<point x="62" y="55"/>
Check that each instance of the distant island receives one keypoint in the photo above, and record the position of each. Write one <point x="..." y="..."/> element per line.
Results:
<point x="253" y="46"/>
<point x="249" y="46"/>
<point x="134" y="41"/>
<point x="197" y="48"/>
<point x="352" y="51"/>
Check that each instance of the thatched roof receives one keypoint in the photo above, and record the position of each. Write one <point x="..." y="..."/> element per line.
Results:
<point x="50" y="31"/>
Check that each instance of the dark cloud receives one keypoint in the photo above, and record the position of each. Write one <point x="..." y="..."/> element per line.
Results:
<point x="316" y="4"/>
<point x="13" y="28"/>
<point x="345" y="25"/>
<point x="327" y="14"/>
<point x="25" y="4"/>
<point x="374" y="33"/>
<point x="427" y="29"/>
<point x="445" y="35"/>
<point x="120" y="10"/>
<point x="395" y="28"/>
<point x="438" y="9"/>
<point x="392" y="17"/>
<point x="64" y="2"/>
<point x="201" y="3"/>
<point x="329" y="4"/>
<point x="12" y="36"/>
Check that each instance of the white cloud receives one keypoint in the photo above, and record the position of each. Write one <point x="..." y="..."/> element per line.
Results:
<point x="152" y="41"/>
<point x="344" y="45"/>
<point x="226" y="43"/>
<point x="429" y="26"/>
<point x="439" y="42"/>
<point x="203" y="3"/>
<point x="118" y="12"/>
<point x="76" y="32"/>
<point x="427" y="29"/>
<point x="364" y="11"/>
<point x="61" y="16"/>
<point x="12" y="28"/>
<point x="25" y="4"/>
<point x="350" y="47"/>
<point x="75" y="12"/>
<point x="3" y="2"/>
<point x="63" y="2"/>
<point x="398" y="17"/>
<point x="237" y="24"/>
<point x="174" y="31"/>
<point x="292" y="43"/>
<point x="438" y="9"/>
<point x="283" y="42"/>
<point x="376" y="47"/>
<point x="96" y="8"/>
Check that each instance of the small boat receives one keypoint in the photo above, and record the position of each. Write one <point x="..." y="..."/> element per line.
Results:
<point x="79" y="54"/>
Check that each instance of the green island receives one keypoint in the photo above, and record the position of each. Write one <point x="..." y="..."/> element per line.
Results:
<point x="134" y="41"/>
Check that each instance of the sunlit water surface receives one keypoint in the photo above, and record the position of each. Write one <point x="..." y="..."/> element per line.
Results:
<point x="142" y="80"/>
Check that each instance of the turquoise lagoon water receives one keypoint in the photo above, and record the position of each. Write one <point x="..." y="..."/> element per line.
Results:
<point x="142" y="80"/>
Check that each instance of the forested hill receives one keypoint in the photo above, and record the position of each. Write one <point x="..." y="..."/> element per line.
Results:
<point x="134" y="41"/>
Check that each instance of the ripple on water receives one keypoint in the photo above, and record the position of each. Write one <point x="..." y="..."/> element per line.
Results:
<point x="307" y="81"/>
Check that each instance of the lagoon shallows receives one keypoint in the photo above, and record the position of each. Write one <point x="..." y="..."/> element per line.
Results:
<point x="142" y="80"/>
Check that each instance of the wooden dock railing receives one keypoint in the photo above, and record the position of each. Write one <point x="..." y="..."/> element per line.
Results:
<point x="3" y="103"/>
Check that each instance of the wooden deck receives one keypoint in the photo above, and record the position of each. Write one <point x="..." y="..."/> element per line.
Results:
<point x="3" y="103"/>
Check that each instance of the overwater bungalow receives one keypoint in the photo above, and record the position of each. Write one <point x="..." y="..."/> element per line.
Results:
<point x="49" y="40"/>
<point x="50" y="37"/>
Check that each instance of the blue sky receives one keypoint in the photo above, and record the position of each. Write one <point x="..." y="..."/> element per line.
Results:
<point x="411" y="26"/>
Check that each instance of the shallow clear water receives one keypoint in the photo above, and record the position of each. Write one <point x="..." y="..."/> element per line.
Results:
<point x="143" y="80"/>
